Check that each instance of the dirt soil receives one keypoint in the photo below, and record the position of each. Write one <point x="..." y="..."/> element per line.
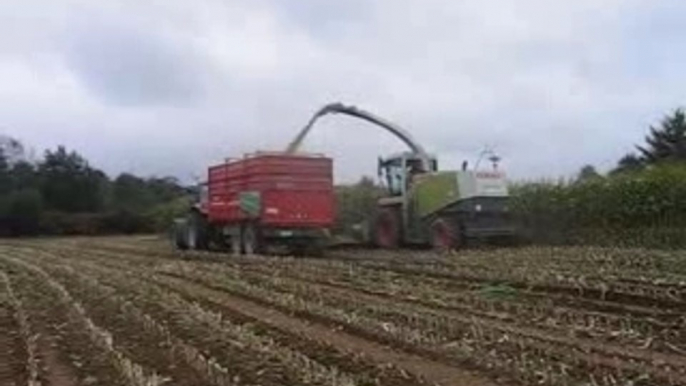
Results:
<point x="130" y="311"/>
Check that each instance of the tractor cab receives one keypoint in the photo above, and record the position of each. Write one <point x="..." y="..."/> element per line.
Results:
<point x="397" y="172"/>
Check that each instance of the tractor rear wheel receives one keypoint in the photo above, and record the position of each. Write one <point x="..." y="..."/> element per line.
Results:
<point x="387" y="229"/>
<point x="445" y="235"/>
<point x="197" y="231"/>
<point x="178" y="234"/>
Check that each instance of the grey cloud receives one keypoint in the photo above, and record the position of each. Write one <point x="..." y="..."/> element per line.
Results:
<point x="133" y="66"/>
<point x="326" y="19"/>
<point x="552" y="85"/>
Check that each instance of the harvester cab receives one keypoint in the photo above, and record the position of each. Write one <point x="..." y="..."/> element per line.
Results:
<point x="439" y="208"/>
<point x="398" y="171"/>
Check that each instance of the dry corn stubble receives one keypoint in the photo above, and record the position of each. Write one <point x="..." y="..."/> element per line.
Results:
<point x="556" y="316"/>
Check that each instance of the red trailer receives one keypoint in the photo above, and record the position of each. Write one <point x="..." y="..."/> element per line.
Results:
<point x="262" y="200"/>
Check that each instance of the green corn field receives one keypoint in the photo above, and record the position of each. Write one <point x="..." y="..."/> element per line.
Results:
<point x="646" y="208"/>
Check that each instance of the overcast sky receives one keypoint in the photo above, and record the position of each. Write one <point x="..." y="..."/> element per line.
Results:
<point x="167" y="87"/>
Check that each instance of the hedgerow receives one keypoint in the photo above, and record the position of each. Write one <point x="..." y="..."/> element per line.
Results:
<point x="646" y="207"/>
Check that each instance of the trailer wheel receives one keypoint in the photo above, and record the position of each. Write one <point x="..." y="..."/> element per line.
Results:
<point x="236" y="245"/>
<point x="444" y="235"/>
<point x="252" y="243"/>
<point x="387" y="229"/>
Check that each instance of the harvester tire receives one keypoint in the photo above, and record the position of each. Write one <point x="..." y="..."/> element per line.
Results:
<point x="445" y="235"/>
<point x="387" y="229"/>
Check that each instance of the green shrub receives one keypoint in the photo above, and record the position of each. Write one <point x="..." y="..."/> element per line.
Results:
<point x="623" y="208"/>
<point x="125" y="222"/>
<point x="62" y="224"/>
<point x="90" y="224"/>
<point x="162" y="215"/>
<point x="355" y="204"/>
<point x="20" y="212"/>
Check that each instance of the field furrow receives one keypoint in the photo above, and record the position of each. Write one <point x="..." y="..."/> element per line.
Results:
<point x="213" y="329"/>
<point x="65" y="348"/>
<point x="493" y="302"/>
<point x="15" y="359"/>
<point x="455" y="338"/>
<point x="548" y="316"/>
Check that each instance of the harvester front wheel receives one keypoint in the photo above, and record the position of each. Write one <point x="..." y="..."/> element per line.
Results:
<point x="445" y="235"/>
<point x="387" y="229"/>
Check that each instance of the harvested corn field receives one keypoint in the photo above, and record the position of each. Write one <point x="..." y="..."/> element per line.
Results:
<point x="130" y="311"/>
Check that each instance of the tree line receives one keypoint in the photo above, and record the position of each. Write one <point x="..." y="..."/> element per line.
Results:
<point x="641" y="201"/>
<point x="664" y="144"/>
<point x="62" y="193"/>
<point x="643" y="197"/>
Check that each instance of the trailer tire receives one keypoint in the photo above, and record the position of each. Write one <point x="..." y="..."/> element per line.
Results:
<point x="236" y="244"/>
<point x="252" y="242"/>
<point x="387" y="229"/>
<point x="445" y="235"/>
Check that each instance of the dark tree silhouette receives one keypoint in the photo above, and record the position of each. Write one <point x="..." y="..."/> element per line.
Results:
<point x="667" y="142"/>
<point x="628" y="163"/>
<point x="69" y="184"/>
<point x="587" y="173"/>
<point x="5" y="179"/>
